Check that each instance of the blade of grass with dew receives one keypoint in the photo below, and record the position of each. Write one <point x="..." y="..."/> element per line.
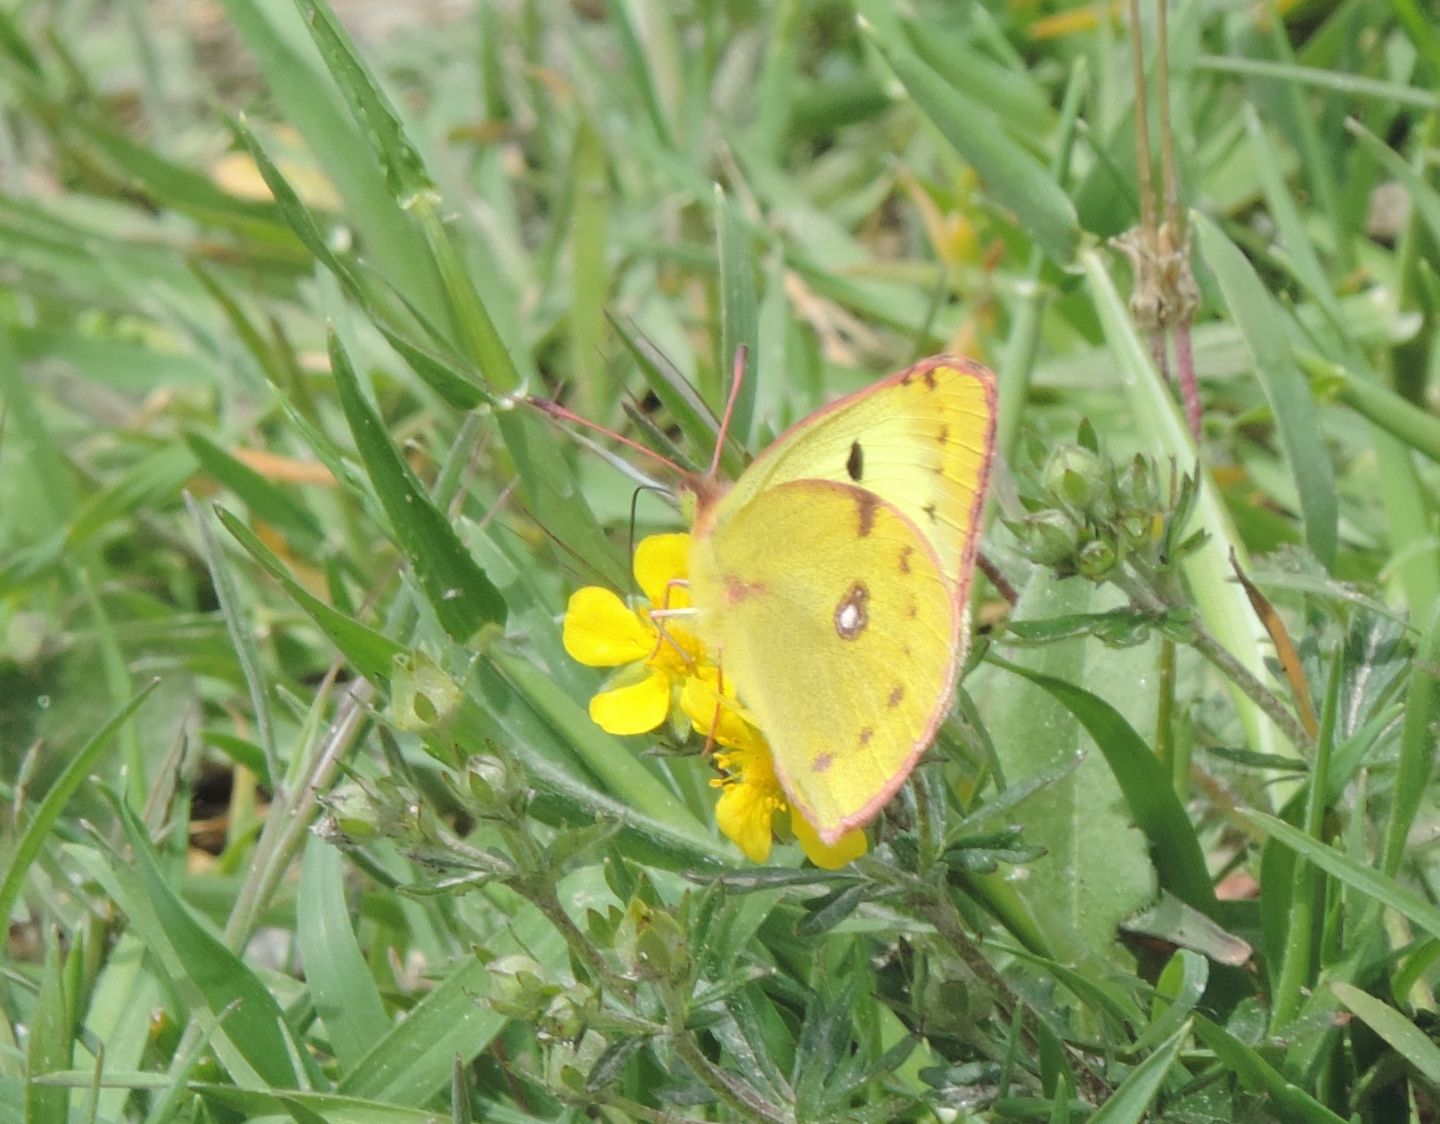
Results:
<point x="1355" y="874"/>
<point x="1015" y="177"/>
<point x="346" y="998"/>
<point x="1407" y="1039"/>
<point x="1296" y="417"/>
<point x="547" y="486"/>
<point x="1222" y="604"/>
<point x="275" y="34"/>
<point x="459" y="591"/>
<point x="1289" y="1101"/>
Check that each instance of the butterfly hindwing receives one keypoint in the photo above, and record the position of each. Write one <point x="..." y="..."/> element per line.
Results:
<point x="837" y="628"/>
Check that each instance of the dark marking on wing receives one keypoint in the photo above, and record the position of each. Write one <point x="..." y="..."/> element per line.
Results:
<point x="897" y="693"/>
<point x="944" y="435"/>
<point x="855" y="462"/>
<point x="866" y="503"/>
<point x="930" y="378"/>
<point x="905" y="554"/>
<point x="851" y="615"/>
<point x="866" y="734"/>
<point x="929" y="510"/>
<point x="823" y="762"/>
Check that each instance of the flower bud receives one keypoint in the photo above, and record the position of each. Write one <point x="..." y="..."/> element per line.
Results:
<point x="517" y="986"/>
<point x="1075" y="476"/>
<point x="1096" y="559"/>
<point x="422" y="695"/>
<point x="1136" y="488"/>
<point x="1046" y="537"/>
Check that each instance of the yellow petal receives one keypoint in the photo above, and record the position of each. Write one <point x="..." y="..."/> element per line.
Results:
<point x="700" y="701"/>
<point x="659" y="560"/>
<point x="602" y="631"/>
<point x="743" y="813"/>
<point x="636" y="708"/>
<point x="828" y="856"/>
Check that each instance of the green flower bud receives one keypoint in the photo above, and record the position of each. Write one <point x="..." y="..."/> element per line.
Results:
<point x="1046" y="537"/>
<point x="517" y="986"/>
<point x="1076" y="477"/>
<point x="1136" y="488"/>
<point x="1096" y="559"/>
<point x="422" y="695"/>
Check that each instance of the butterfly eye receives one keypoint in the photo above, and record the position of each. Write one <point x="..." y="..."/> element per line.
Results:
<point x="855" y="463"/>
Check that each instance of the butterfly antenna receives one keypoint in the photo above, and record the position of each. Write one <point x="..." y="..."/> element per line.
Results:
<point x="737" y="377"/>
<point x="553" y="409"/>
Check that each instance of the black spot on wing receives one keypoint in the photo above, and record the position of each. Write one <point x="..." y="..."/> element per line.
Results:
<point x="855" y="462"/>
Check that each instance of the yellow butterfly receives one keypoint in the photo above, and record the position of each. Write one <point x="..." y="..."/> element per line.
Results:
<point x="832" y="579"/>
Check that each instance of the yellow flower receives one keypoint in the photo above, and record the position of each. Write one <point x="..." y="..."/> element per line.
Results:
<point x="655" y="663"/>
<point x="601" y="630"/>
<point x="751" y="795"/>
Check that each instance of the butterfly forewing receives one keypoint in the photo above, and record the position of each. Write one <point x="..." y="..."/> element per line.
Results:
<point x="921" y="440"/>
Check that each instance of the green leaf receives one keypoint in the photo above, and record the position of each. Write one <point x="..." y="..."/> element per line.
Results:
<point x="1417" y="746"/>
<point x="1289" y="1102"/>
<point x="48" y="1050"/>
<point x="463" y="597"/>
<point x="265" y="500"/>
<point x="1296" y="418"/>
<point x="1149" y="795"/>
<point x="371" y="652"/>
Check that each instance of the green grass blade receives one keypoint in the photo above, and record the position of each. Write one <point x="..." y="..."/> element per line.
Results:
<point x="369" y="651"/>
<point x="1407" y="1039"/>
<point x="48" y="1050"/>
<point x="1365" y="879"/>
<point x="1015" y="178"/>
<point x="1296" y="418"/>
<point x="346" y="998"/>
<point x="1222" y="604"/>
<point x="1132" y="1100"/>
<point x="1415" y="768"/>
<point x="459" y="591"/>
